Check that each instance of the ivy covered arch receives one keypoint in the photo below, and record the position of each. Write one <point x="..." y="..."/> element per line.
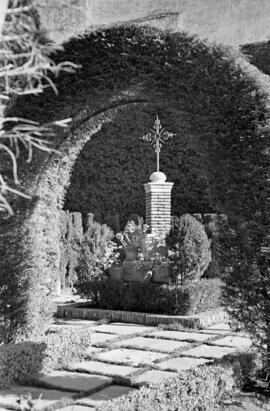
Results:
<point x="121" y="68"/>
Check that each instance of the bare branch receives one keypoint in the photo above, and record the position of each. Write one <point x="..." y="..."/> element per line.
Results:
<point x="26" y="68"/>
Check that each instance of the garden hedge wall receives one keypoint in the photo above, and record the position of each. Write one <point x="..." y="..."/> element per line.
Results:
<point x="113" y="167"/>
<point x="126" y="68"/>
<point x="151" y="297"/>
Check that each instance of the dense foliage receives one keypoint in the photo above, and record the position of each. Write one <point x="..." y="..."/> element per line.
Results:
<point x="198" y="389"/>
<point x="22" y="362"/>
<point x="152" y="297"/>
<point x="96" y="254"/>
<point x="188" y="249"/>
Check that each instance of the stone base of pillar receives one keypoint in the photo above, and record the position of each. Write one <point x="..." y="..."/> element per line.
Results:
<point x="158" y="203"/>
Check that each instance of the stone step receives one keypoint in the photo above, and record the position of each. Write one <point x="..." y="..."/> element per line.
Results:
<point x="131" y="357"/>
<point x="73" y="381"/>
<point x="153" y="377"/>
<point x="109" y="393"/>
<point x="152" y="344"/>
<point x="209" y="351"/>
<point x="182" y="335"/>
<point x="77" y="407"/>
<point x="122" y="328"/>
<point x="234" y="341"/>
<point x="98" y="367"/>
<point x="181" y="363"/>
<point x="100" y="338"/>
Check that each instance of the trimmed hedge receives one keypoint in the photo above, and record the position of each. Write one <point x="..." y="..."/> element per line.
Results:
<point x="22" y="362"/>
<point x="188" y="249"/>
<point x="153" y="298"/>
<point x="198" y="389"/>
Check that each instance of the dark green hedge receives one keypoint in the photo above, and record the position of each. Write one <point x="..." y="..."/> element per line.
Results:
<point x="153" y="298"/>
<point x="113" y="167"/>
<point x="200" y="85"/>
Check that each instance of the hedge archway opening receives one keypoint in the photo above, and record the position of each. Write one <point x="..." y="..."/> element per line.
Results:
<point x="220" y="97"/>
<point x="110" y="171"/>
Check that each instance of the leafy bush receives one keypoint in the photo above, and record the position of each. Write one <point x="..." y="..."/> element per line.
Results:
<point x="152" y="297"/>
<point x="21" y="362"/>
<point x="188" y="249"/>
<point x="97" y="251"/>
<point x="245" y="366"/>
<point x="198" y="389"/>
<point x="217" y="229"/>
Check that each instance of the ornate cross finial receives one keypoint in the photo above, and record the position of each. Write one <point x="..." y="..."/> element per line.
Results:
<point x="157" y="137"/>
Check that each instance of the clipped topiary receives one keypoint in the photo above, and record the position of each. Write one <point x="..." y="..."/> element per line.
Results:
<point x="97" y="251"/>
<point x="188" y="249"/>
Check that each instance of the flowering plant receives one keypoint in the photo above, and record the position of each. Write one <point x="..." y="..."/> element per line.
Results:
<point x="134" y="234"/>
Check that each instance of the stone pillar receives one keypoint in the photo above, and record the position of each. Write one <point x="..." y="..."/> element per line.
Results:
<point x="158" y="203"/>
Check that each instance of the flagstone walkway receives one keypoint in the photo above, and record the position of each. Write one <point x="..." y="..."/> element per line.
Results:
<point x="122" y="358"/>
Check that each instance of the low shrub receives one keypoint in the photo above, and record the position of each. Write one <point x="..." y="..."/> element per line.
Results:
<point x="198" y="389"/>
<point x="63" y="345"/>
<point x="97" y="251"/>
<point x="189" y="249"/>
<point x="245" y="365"/>
<point x="152" y="297"/>
<point x="21" y="362"/>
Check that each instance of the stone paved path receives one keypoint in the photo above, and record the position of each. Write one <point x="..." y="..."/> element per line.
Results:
<point x="123" y="357"/>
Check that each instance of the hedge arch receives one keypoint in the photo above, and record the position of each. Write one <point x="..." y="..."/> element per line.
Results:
<point x="222" y="97"/>
<point x="34" y="237"/>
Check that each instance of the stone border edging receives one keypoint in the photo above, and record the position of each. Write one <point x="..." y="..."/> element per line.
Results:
<point x="196" y="321"/>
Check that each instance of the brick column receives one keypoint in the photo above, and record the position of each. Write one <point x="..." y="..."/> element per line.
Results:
<point x="158" y="203"/>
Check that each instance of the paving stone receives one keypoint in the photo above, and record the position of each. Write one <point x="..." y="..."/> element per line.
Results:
<point x="102" y="368"/>
<point x="122" y="328"/>
<point x="73" y="381"/>
<point x="77" y="407"/>
<point x="153" y="344"/>
<point x="130" y="357"/>
<point x="75" y="322"/>
<point x="92" y="351"/>
<point x="181" y="363"/>
<point x="182" y="335"/>
<point x="153" y="377"/>
<point x="9" y="397"/>
<point x="221" y="328"/>
<point x="109" y="393"/>
<point x="238" y="342"/>
<point x="209" y="351"/>
<point x="100" y="338"/>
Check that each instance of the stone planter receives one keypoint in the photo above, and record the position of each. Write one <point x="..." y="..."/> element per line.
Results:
<point x="131" y="253"/>
<point x="161" y="273"/>
<point x="131" y="273"/>
<point x="115" y="273"/>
